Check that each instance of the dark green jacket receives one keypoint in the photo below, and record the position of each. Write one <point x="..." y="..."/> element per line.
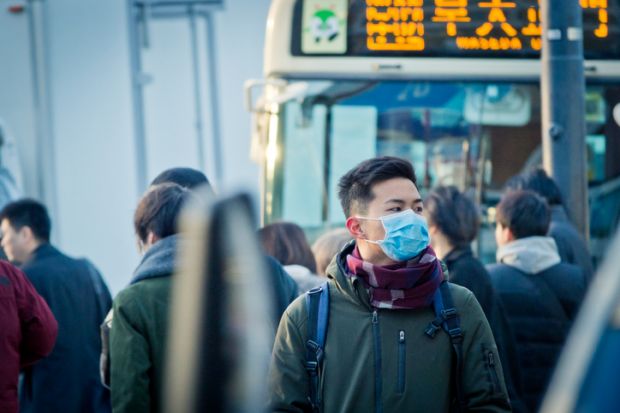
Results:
<point x="139" y="330"/>
<point x="381" y="360"/>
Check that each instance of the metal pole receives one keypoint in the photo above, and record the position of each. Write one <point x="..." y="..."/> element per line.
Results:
<point x="563" y="108"/>
<point x="197" y="89"/>
<point x="45" y="151"/>
<point x="135" y="13"/>
<point x="214" y="98"/>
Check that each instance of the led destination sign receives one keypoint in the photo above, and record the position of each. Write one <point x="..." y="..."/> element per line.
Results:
<point x="444" y="28"/>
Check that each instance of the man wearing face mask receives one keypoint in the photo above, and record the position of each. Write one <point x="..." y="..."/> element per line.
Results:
<point x="385" y="350"/>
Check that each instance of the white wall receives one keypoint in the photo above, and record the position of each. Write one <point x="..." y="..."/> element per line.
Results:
<point x="92" y="118"/>
<point x="92" y="130"/>
<point x="16" y="89"/>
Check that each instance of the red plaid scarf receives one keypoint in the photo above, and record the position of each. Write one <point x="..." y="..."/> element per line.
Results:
<point x="406" y="285"/>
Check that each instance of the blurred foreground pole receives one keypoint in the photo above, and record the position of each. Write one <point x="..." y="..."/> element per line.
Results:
<point x="563" y="108"/>
<point x="221" y="328"/>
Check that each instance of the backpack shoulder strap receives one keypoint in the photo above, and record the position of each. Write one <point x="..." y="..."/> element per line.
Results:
<point x="447" y="318"/>
<point x="317" y="306"/>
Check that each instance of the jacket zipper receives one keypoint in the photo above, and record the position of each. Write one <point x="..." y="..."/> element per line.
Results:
<point x="494" y="378"/>
<point x="401" y="361"/>
<point x="378" y="369"/>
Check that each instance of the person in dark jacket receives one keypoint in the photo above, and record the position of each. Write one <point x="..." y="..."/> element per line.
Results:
<point x="453" y="222"/>
<point x="571" y="245"/>
<point x="541" y="295"/>
<point x="377" y="356"/>
<point x="139" y="328"/>
<point x="68" y="380"/>
<point x="285" y="288"/>
<point x="28" y="331"/>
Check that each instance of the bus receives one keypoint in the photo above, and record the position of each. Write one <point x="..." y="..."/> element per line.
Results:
<point x="452" y="85"/>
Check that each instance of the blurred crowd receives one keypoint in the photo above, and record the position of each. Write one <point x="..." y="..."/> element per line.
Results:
<point x="391" y="312"/>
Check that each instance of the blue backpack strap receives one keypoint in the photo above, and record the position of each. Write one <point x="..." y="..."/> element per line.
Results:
<point x="447" y="318"/>
<point x="317" y="306"/>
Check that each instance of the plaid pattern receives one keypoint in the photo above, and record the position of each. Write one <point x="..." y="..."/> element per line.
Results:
<point x="407" y="285"/>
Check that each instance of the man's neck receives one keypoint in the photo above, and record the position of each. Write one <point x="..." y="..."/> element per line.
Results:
<point x="32" y="247"/>
<point x="441" y="246"/>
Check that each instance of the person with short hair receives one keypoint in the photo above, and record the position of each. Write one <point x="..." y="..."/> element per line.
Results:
<point x="540" y="294"/>
<point x="285" y="289"/>
<point x="382" y="351"/>
<point x="139" y="330"/>
<point x="28" y="331"/>
<point x="327" y="246"/>
<point x="571" y="245"/>
<point x="68" y="380"/>
<point x="453" y="223"/>
<point x="287" y="243"/>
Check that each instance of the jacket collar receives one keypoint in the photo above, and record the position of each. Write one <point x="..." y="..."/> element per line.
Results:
<point x="352" y="288"/>
<point x="558" y="214"/>
<point x="158" y="260"/>
<point x="457" y="253"/>
<point x="530" y="255"/>
<point x="43" y="250"/>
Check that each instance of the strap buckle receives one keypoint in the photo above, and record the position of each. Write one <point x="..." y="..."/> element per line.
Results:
<point x="456" y="333"/>
<point x="312" y="366"/>
<point x="449" y="313"/>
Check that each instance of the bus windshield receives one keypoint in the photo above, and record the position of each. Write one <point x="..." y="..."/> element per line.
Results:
<point x="474" y="136"/>
<point x="471" y="135"/>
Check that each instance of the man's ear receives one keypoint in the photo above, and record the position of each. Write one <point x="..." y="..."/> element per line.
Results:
<point x="151" y="238"/>
<point x="353" y="224"/>
<point x="509" y="236"/>
<point x="26" y="233"/>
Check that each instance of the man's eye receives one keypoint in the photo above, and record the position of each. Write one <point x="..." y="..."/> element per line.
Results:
<point x="419" y="209"/>
<point x="395" y="209"/>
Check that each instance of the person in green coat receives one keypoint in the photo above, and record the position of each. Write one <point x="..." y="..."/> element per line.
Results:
<point x="377" y="357"/>
<point x="139" y="331"/>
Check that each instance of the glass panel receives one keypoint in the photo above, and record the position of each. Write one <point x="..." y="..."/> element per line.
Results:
<point x="471" y="135"/>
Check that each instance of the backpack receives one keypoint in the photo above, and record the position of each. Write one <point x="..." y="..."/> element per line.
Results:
<point x="317" y="307"/>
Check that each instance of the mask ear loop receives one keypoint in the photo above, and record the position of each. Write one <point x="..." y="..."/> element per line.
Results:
<point x="376" y="242"/>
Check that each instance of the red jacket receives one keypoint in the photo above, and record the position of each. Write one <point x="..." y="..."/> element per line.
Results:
<point x="27" y="331"/>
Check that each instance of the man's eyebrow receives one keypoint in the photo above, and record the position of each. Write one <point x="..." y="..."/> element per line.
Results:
<point x="394" y="201"/>
<point x="401" y="202"/>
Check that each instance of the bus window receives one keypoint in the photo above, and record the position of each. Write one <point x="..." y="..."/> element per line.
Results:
<point x="473" y="135"/>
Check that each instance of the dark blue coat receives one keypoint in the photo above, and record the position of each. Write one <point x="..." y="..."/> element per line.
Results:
<point x="540" y="309"/>
<point x="68" y="380"/>
<point x="571" y="246"/>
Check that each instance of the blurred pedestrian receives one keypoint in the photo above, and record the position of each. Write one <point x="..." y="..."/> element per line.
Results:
<point x="453" y="222"/>
<point x="285" y="289"/>
<point x="188" y="178"/>
<point x="571" y="245"/>
<point x="540" y="294"/>
<point x="68" y="380"/>
<point x="327" y="246"/>
<point x="28" y="331"/>
<point x="287" y="243"/>
<point x="140" y="325"/>
<point x="385" y="349"/>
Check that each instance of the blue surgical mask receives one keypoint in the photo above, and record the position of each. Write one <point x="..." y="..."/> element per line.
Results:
<point x="406" y="235"/>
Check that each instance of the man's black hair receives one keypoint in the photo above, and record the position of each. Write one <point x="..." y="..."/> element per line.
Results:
<point x="186" y="177"/>
<point x="454" y="214"/>
<point x="28" y="213"/>
<point x="525" y="212"/>
<point x="538" y="181"/>
<point x="158" y="211"/>
<point x="355" y="187"/>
